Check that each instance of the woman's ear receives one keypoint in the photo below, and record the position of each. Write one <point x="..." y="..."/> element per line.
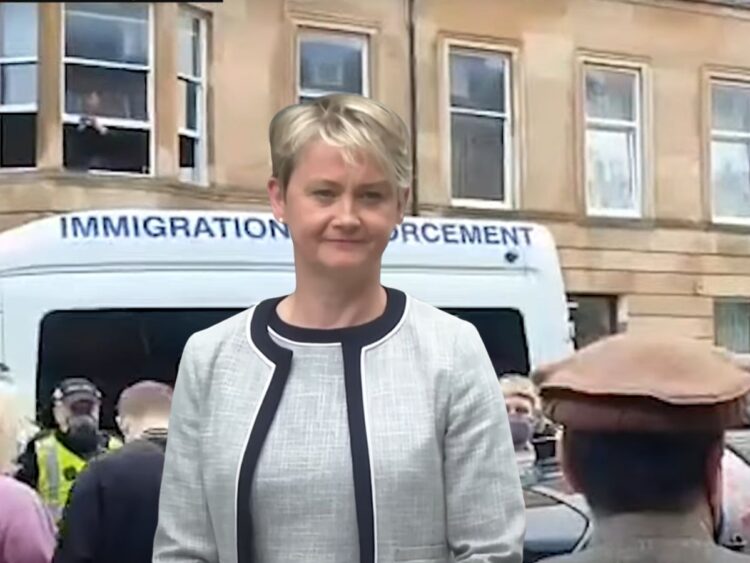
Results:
<point x="277" y="198"/>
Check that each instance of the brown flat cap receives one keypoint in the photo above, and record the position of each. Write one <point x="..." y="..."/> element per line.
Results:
<point x="645" y="384"/>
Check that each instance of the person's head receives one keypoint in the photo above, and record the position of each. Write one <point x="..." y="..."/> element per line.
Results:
<point x="643" y="422"/>
<point x="92" y="102"/>
<point x="644" y="471"/>
<point x="523" y="405"/>
<point x="10" y="430"/>
<point x="143" y="406"/>
<point x="76" y="405"/>
<point x="341" y="175"/>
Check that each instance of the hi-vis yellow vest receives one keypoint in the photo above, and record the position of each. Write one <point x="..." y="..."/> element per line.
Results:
<point x="58" y="469"/>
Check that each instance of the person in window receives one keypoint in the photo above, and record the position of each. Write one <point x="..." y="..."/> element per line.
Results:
<point x="27" y="533"/>
<point x="112" y="513"/>
<point x="345" y="422"/>
<point x="524" y="409"/>
<point x="90" y="137"/>
<point x="53" y="459"/>
<point x="644" y="421"/>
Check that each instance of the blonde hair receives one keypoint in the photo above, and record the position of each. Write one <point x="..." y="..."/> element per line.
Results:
<point x="352" y="123"/>
<point x="521" y="386"/>
<point x="11" y="429"/>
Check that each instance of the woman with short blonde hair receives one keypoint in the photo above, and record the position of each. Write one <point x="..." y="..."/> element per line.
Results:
<point x="345" y="422"/>
<point x="27" y="534"/>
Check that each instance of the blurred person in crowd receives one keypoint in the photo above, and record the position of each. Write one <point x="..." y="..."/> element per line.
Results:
<point x="524" y="412"/>
<point x="644" y="422"/>
<point x="357" y="462"/>
<point x="27" y="533"/>
<point x="113" y="509"/>
<point x="53" y="459"/>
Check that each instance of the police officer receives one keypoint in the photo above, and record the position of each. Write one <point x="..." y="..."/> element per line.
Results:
<point x="54" y="458"/>
<point x="644" y="420"/>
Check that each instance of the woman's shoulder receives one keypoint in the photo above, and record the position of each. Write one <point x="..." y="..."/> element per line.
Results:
<point x="216" y="336"/>
<point x="425" y="314"/>
<point x="15" y="495"/>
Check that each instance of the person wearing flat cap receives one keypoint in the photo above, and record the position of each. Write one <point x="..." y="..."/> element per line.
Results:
<point x="53" y="459"/>
<point x="644" y="420"/>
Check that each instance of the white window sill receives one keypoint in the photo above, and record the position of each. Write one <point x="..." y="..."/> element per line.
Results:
<point x="732" y="221"/>
<point x="481" y="204"/>
<point x="614" y="214"/>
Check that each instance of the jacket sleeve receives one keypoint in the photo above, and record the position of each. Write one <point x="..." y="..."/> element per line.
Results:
<point x="29" y="536"/>
<point x="485" y="511"/>
<point x="79" y="529"/>
<point x="184" y="533"/>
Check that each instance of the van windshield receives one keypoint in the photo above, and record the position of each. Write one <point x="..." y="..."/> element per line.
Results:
<point x="117" y="347"/>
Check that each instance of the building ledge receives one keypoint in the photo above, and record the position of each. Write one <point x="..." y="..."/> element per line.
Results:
<point x="150" y="184"/>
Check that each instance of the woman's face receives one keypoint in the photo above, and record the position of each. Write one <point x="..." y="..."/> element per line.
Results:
<point x="340" y="214"/>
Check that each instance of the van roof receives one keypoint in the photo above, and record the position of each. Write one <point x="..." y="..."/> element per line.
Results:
<point x="193" y="239"/>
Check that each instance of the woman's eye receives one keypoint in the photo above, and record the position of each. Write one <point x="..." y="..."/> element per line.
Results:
<point x="323" y="193"/>
<point x="373" y="196"/>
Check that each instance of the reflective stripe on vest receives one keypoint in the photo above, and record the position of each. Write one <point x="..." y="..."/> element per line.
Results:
<point x="58" y="469"/>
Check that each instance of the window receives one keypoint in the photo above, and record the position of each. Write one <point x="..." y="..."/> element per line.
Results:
<point x="613" y="141"/>
<point x="18" y="91"/>
<point x="594" y="317"/>
<point x="480" y="121"/>
<point x="730" y="150"/>
<point x="330" y="62"/>
<point x="732" y="325"/>
<point x="116" y="347"/>
<point x="504" y="336"/>
<point x="191" y="80"/>
<point x="107" y="87"/>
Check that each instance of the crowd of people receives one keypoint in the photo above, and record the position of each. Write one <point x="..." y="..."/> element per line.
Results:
<point x="350" y="422"/>
<point x="76" y="494"/>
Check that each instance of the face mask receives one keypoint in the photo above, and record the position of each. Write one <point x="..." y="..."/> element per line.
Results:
<point x="83" y="433"/>
<point x="521" y="428"/>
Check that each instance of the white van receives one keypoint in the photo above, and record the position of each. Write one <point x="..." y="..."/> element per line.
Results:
<point x="113" y="295"/>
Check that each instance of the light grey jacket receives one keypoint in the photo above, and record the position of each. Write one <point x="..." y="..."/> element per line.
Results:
<point x="434" y="470"/>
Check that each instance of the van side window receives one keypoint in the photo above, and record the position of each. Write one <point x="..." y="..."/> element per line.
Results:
<point x="114" y="348"/>
<point x="504" y="335"/>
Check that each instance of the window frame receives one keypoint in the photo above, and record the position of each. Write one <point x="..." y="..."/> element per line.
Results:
<point x="116" y="122"/>
<point x="511" y="170"/>
<point x="307" y="29"/>
<point x="714" y="134"/>
<point x="200" y="136"/>
<point x="30" y="108"/>
<point x="637" y="126"/>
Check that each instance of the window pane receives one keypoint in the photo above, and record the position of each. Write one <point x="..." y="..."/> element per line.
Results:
<point x="478" y="81"/>
<point x="18" y="30"/>
<point x="188" y="100"/>
<point x="595" y="317"/>
<point x="18" y="139"/>
<point x="504" y="336"/>
<point x="18" y="84"/>
<point x="187" y="151"/>
<point x="120" y="150"/>
<point x="731" y="107"/>
<point x="733" y="326"/>
<point x="331" y="63"/>
<point x="610" y="94"/>
<point x="114" y="32"/>
<point x="116" y="348"/>
<point x="190" y="45"/>
<point x="610" y="168"/>
<point x="730" y="173"/>
<point x="477" y="157"/>
<point x="106" y="92"/>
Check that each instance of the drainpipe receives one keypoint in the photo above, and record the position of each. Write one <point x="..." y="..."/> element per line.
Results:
<point x="411" y="6"/>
